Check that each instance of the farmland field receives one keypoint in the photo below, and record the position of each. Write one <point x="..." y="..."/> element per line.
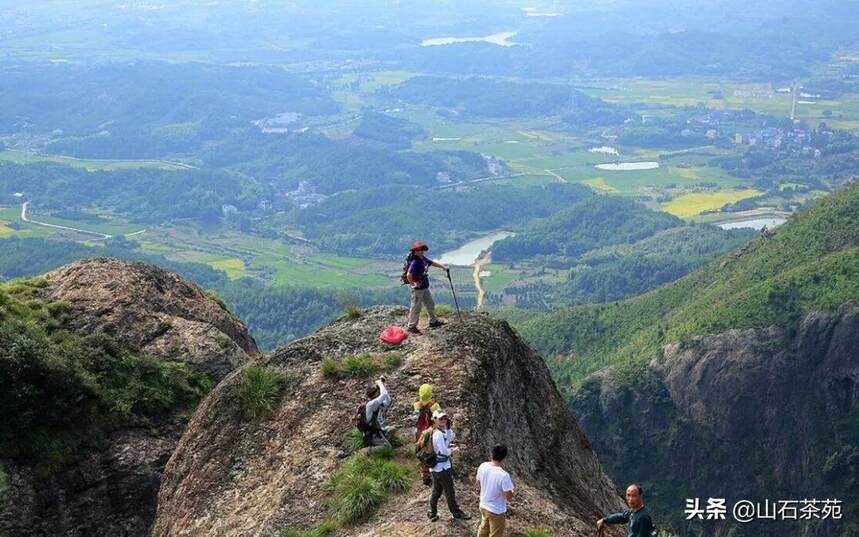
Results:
<point x="695" y="203"/>
<point x="23" y="157"/>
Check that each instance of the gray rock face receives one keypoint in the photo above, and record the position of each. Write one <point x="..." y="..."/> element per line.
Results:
<point x="232" y="476"/>
<point x="112" y="491"/>
<point x="153" y="311"/>
<point x="744" y="414"/>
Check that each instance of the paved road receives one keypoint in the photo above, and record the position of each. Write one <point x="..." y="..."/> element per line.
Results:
<point x="101" y="236"/>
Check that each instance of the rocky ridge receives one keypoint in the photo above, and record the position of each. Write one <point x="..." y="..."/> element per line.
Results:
<point x="112" y="491"/>
<point x="233" y="476"/>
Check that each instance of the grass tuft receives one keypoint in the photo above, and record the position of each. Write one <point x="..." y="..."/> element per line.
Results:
<point x="360" y="365"/>
<point x="362" y="484"/>
<point x="353" y="312"/>
<point x="323" y="529"/>
<point x="4" y="481"/>
<point x="259" y="391"/>
<point x="534" y="532"/>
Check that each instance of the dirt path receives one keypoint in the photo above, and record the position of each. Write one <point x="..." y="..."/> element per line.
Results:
<point x="555" y="175"/>
<point x="475" y="275"/>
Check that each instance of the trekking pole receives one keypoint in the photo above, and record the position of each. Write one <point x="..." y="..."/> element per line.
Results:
<point x="455" y="301"/>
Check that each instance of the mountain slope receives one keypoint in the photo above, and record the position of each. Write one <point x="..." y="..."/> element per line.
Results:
<point x="810" y="263"/>
<point x="101" y="362"/>
<point x="739" y="381"/>
<point x="232" y="475"/>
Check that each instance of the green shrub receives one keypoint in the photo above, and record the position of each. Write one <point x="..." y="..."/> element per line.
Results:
<point x="65" y="391"/>
<point x="259" y="391"/>
<point x="323" y="529"/>
<point x="353" y="312"/>
<point x="3" y="480"/>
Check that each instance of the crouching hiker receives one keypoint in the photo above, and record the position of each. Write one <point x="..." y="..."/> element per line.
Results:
<point x="424" y="407"/>
<point x="415" y="273"/>
<point x="370" y="418"/>
<point x="638" y="517"/>
<point x="496" y="489"/>
<point x="441" y="436"/>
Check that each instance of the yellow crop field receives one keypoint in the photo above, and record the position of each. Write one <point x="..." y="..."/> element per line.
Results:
<point x="598" y="183"/>
<point x="697" y="202"/>
<point x="233" y="267"/>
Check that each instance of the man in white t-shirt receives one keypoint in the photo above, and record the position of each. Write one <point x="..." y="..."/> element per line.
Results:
<point x="496" y="489"/>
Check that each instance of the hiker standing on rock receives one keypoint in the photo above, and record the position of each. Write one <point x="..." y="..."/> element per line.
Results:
<point x="638" y="517"/>
<point x="442" y="472"/>
<point x="371" y="422"/>
<point x="496" y="489"/>
<point x="424" y="407"/>
<point x="416" y="268"/>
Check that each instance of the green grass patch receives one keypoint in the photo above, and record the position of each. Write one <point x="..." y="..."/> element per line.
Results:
<point x="320" y="530"/>
<point x="534" y="532"/>
<point x="358" y="488"/>
<point x="259" y="391"/>
<point x="4" y="480"/>
<point x="360" y="365"/>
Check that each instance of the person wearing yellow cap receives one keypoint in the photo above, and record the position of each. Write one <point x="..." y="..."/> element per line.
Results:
<point x="424" y="406"/>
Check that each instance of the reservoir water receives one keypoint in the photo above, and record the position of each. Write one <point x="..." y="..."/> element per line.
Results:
<point x="469" y="252"/>
<point x="604" y="149"/>
<point x="757" y="223"/>
<point x="628" y="166"/>
<point x="499" y="39"/>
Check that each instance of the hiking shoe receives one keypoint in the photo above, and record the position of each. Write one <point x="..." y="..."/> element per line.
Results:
<point x="432" y="517"/>
<point x="414" y="330"/>
<point x="462" y="515"/>
<point x="436" y="323"/>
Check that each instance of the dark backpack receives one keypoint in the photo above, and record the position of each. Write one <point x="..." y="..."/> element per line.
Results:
<point x="424" y="450"/>
<point x="361" y="419"/>
<point x="408" y="261"/>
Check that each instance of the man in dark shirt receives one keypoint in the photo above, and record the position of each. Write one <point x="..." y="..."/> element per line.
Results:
<point x="416" y="273"/>
<point x="638" y="517"/>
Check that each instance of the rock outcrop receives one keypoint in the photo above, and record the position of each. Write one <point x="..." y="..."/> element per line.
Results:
<point x="153" y="311"/>
<point x="745" y="414"/>
<point x="234" y="476"/>
<point x="112" y="491"/>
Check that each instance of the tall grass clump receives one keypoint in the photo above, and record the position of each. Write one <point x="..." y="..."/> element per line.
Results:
<point x="352" y="312"/>
<point x="259" y="391"/>
<point x="360" y="365"/>
<point x="363" y="483"/>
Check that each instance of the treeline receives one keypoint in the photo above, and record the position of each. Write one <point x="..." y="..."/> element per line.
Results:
<point x="386" y="220"/>
<point x="145" y="194"/>
<point x="146" y="109"/>
<point x="483" y="97"/>
<point x="625" y="270"/>
<point x="331" y="166"/>
<point x="392" y="131"/>
<point x="583" y="226"/>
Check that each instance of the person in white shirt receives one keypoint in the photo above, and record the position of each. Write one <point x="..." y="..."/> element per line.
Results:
<point x="496" y="489"/>
<point x="442" y="472"/>
<point x="375" y="437"/>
